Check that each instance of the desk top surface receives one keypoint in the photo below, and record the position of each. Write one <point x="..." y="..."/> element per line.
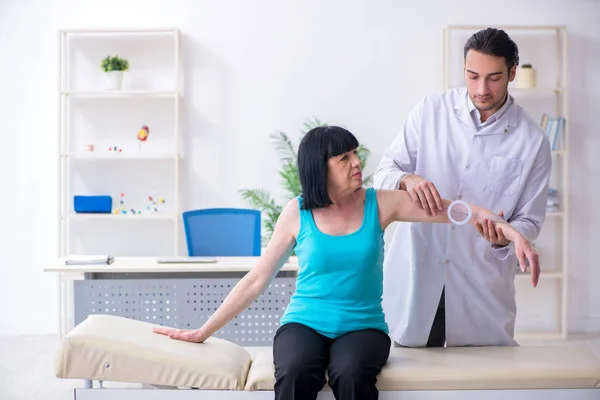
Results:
<point x="150" y="264"/>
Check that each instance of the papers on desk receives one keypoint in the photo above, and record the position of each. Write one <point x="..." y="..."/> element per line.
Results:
<point x="185" y="260"/>
<point x="89" y="260"/>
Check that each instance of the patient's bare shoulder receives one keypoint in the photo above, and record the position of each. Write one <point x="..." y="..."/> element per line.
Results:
<point x="289" y="219"/>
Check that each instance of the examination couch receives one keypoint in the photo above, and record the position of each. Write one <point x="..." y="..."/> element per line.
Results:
<point x="106" y="348"/>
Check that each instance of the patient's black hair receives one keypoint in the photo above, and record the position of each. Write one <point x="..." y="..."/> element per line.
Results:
<point x="317" y="146"/>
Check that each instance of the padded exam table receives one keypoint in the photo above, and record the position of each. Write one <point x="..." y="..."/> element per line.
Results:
<point x="108" y="348"/>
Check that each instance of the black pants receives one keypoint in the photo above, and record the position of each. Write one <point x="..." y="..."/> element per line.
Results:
<point x="437" y="336"/>
<point x="353" y="361"/>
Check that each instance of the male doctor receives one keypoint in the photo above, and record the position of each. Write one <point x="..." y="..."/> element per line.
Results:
<point x="449" y="284"/>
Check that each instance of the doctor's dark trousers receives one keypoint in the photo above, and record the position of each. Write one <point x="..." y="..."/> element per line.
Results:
<point x="302" y="357"/>
<point x="437" y="336"/>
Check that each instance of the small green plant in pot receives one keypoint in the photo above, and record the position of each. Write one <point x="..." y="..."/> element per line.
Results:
<point x="114" y="67"/>
<point x="261" y="199"/>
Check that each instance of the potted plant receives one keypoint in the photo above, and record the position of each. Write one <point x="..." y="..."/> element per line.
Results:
<point x="114" y="67"/>
<point x="262" y="200"/>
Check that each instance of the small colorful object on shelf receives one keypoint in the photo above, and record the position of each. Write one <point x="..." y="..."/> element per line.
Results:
<point x="152" y="204"/>
<point x="121" y="209"/>
<point x="142" y="135"/>
<point x="151" y="207"/>
<point x="88" y="147"/>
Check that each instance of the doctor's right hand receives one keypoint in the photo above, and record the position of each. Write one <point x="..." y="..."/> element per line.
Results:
<point x="423" y="193"/>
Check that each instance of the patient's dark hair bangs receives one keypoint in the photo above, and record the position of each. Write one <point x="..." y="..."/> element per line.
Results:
<point x="339" y="141"/>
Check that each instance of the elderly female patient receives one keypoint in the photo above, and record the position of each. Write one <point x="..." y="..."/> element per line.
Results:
<point x="334" y="322"/>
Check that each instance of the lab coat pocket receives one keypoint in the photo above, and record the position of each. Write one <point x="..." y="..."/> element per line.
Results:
<point x="505" y="175"/>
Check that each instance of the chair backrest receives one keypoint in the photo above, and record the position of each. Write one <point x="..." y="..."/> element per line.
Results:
<point x="222" y="232"/>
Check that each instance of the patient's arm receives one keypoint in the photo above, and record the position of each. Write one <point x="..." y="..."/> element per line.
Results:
<point x="253" y="283"/>
<point x="397" y="205"/>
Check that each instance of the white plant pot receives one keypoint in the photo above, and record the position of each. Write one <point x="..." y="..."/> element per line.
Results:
<point x="526" y="78"/>
<point x="113" y="80"/>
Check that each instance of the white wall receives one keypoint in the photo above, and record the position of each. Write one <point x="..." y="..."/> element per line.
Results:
<point x="252" y="68"/>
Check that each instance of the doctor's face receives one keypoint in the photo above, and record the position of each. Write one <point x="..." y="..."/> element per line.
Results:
<point x="487" y="79"/>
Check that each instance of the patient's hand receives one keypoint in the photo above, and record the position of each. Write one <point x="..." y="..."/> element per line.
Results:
<point x="188" y="335"/>
<point x="525" y="252"/>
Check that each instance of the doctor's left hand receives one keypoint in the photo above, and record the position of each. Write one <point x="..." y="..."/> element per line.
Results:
<point x="188" y="335"/>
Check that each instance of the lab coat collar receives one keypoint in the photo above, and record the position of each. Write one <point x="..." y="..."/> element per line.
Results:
<point x="507" y="119"/>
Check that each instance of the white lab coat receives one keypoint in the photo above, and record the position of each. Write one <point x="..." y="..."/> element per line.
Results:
<point x="505" y="166"/>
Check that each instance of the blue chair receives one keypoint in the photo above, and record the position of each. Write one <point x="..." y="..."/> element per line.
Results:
<point x="222" y="232"/>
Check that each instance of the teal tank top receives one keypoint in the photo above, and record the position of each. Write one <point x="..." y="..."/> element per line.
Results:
<point x="339" y="285"/>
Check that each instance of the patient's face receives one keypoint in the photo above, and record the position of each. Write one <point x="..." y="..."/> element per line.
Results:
<point x="344" y="171"/>
<point x="487" y="79"/>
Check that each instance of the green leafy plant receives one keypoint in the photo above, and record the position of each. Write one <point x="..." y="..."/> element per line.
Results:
<point x="114" y="63"/>
<point x="262" y="200"/>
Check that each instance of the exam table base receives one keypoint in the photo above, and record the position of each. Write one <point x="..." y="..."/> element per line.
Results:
<point x="185" y="394"/>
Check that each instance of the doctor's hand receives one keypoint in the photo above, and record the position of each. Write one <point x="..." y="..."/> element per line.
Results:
<point x="491" y="232"/>
<point x="188" y="335"/>
<point x="423" y="193"/>
<point x="527" y="254"/>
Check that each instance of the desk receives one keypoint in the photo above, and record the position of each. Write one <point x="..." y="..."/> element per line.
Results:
<point x="181" y="295"/>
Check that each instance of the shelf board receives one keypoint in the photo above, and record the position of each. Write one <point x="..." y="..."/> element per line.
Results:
<point x="123" y="217"/>
<point x="536" y="90"/>
<point x="509" y="27"/>
<point x="120" y="31"/>
<point x="543" y="275"/>
<point x="555" y="214"/>
<point x="106" y="155"/>
<point x="120" y="93"/>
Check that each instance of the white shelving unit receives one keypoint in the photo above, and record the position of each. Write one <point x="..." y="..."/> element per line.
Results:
<point x="90" y="114"/>
<point x="546" y="48"/>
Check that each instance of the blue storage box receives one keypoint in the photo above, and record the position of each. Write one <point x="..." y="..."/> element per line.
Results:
<point x="92" y="204"/>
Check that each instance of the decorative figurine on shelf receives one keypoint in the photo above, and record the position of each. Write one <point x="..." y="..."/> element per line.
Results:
<point x="142" y="135"/>
<point x="152" y="204"/>
<point x="526" y="77"/>
<point x="122" y="210"/>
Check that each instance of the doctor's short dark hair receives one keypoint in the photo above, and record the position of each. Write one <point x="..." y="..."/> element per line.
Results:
<point x="494" y="42"/>
<point x="317" y="146"/>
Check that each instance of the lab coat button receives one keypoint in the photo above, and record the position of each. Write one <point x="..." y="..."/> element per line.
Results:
<point x="447" y="261"/>
<point x="460" y="196"/>
<point x="468" y="166"/>
<point x="453" y="227"/>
